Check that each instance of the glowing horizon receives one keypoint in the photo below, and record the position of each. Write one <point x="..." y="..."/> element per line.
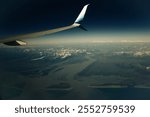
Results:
<point x="92" y="38"/>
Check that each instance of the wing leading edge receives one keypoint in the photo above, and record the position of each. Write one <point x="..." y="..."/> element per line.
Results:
<point x="16" y="40"/>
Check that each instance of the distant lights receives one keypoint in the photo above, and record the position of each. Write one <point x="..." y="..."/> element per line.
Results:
<point x="147" y="68"/>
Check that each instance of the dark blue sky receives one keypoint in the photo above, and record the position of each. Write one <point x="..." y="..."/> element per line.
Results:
<point x="22" y="16"/>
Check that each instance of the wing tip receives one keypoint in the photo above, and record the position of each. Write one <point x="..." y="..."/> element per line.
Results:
<point x="82" y="14"/>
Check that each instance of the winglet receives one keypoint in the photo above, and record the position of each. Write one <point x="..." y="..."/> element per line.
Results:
<point x="82" y="14"/>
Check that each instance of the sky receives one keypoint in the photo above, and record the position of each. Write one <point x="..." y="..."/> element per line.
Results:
<point x="103" y="16"/>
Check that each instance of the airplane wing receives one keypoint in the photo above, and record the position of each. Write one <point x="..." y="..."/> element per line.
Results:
<point x="17" y="40"/>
